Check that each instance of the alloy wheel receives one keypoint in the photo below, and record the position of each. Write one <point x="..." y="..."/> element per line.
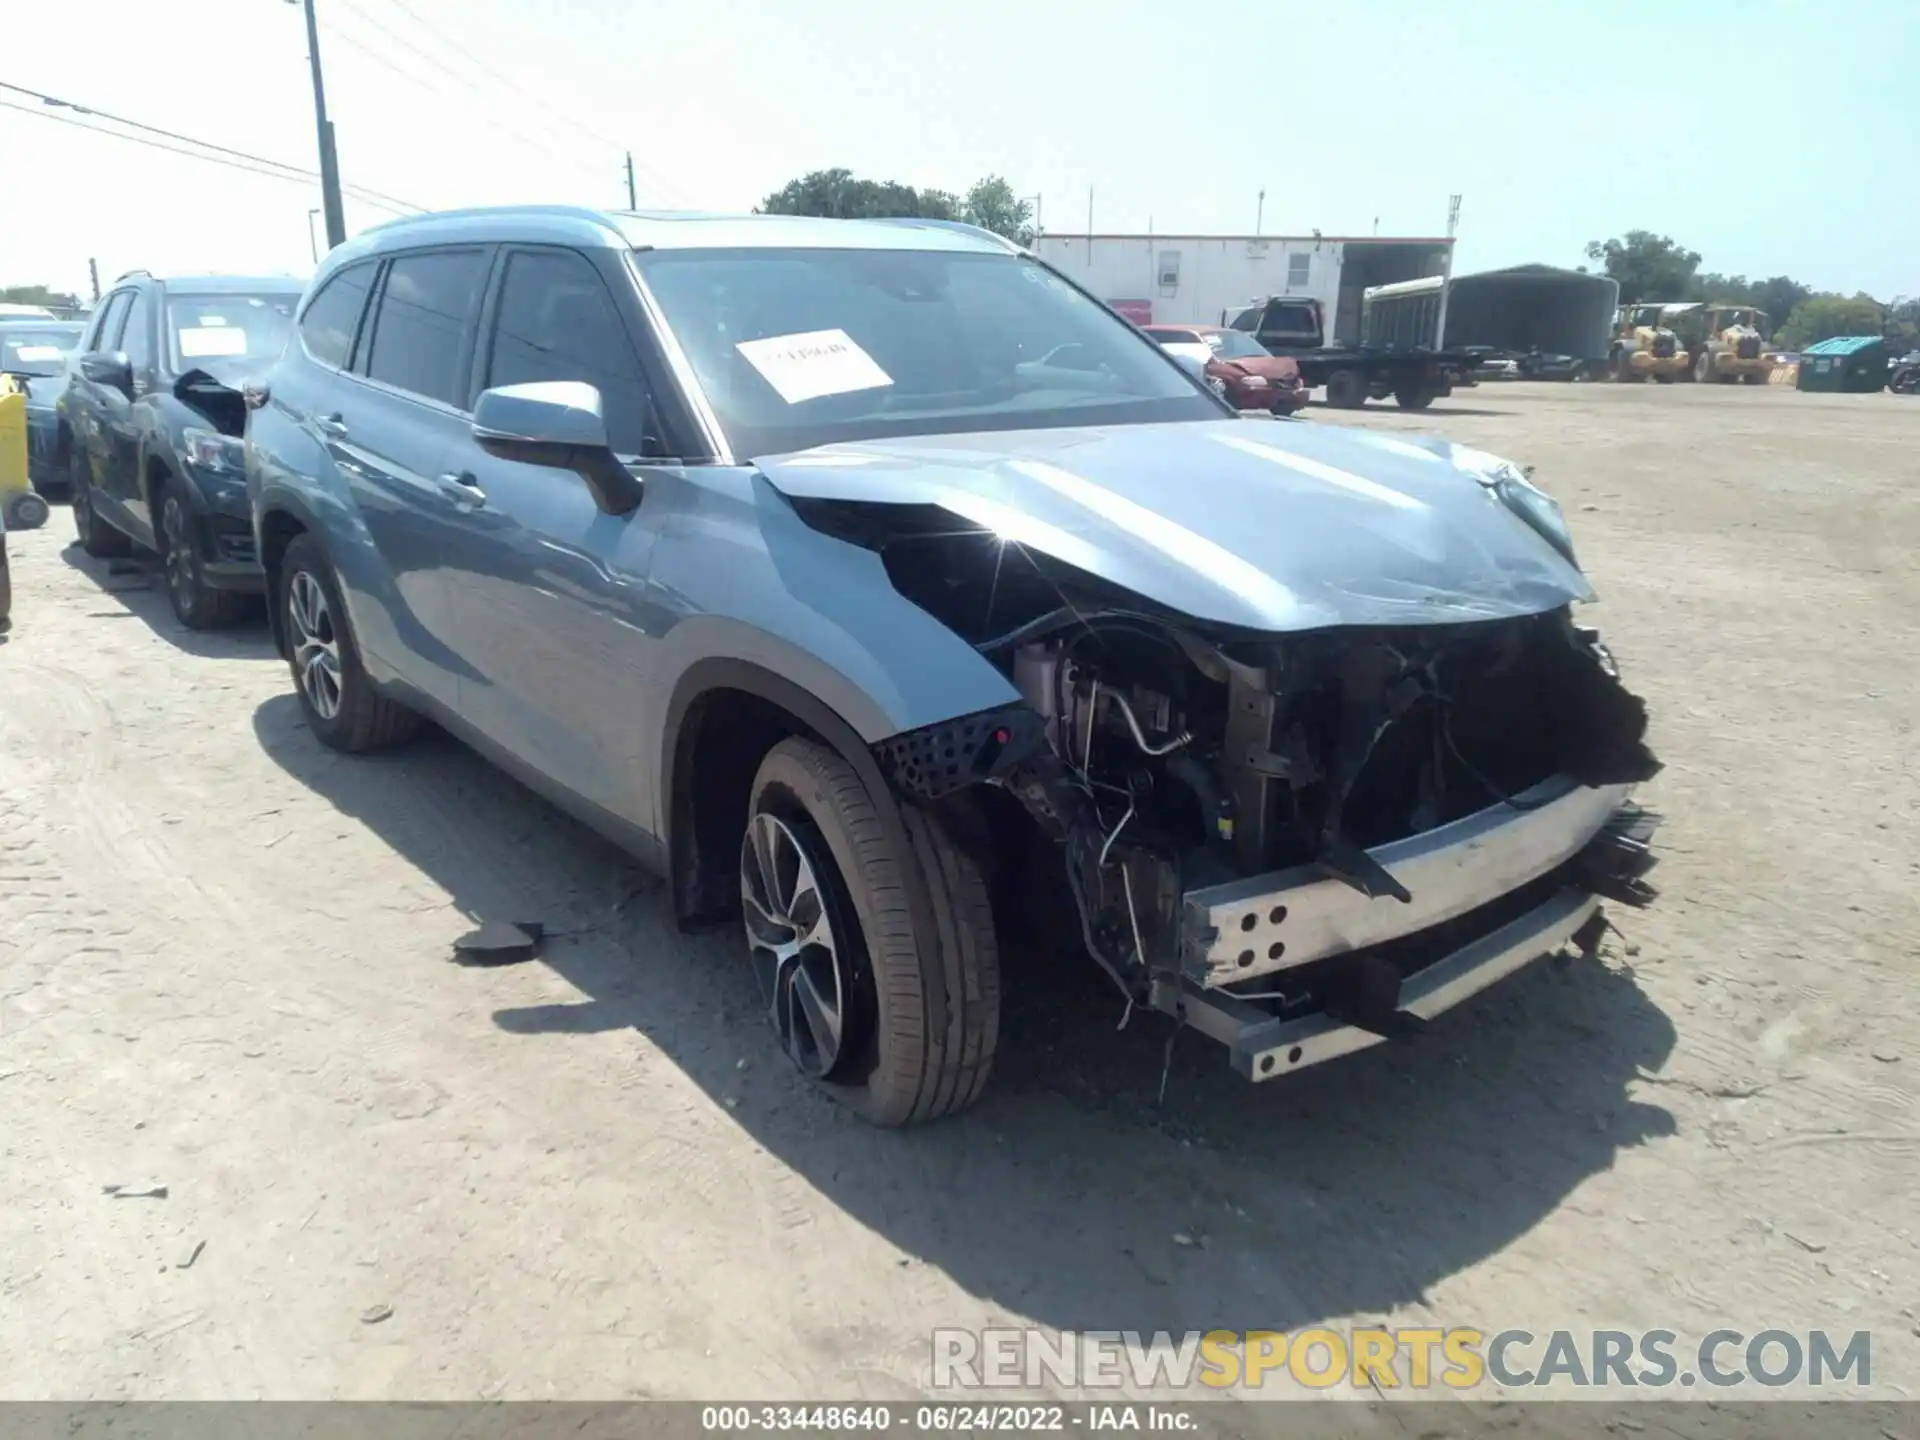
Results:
<point x="802" y="963"/>
<point x="182" y="578"/>
<point x="316" y="644"/>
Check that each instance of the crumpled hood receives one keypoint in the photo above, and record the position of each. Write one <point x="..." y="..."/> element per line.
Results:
<point x="232" y="371"/>
<point x="1277" y="527"/>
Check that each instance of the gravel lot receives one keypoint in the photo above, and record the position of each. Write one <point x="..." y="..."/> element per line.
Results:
<point x="224" y="967"/>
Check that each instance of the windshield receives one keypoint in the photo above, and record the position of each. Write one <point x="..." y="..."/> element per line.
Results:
<point x="37" y="349"/>
<point x="227" y="327"/>
<point x="798" y="348"/>
<point x="1232" y="345"/>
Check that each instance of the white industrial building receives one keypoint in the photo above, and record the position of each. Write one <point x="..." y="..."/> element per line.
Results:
<point x="1199" y="279"/>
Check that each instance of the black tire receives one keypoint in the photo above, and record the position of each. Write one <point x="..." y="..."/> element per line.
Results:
<point x="1413" y="397"/>
<point x="1666" y="379"/>
<point x="1753" y="377"/>
<point x="931" y="1017"/>
<point x="97" y="538"/>
<point x="1346" y="390"/>
<point x="27" y="511"/>
<point x="361" y="719"/>
<point x="196" y="604"/>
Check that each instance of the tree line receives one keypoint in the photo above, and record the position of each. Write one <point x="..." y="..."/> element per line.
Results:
<point x="1654" y="267"/>
<point x="841" y="195"/>
<point x="38" y="295"/>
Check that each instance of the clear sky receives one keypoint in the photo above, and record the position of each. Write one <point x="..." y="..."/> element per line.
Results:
<point x="1772" y="137"/>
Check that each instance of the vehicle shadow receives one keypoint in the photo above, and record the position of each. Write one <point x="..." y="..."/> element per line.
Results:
<point x="138" y="583"/>
<point x="1440" y="409"/>
<point x="1073" y="1193"/>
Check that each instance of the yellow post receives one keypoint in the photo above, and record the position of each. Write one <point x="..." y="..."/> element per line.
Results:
<point x="13" y="442"/>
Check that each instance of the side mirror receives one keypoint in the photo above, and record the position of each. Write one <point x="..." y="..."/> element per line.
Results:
<point x="110" y="368"/>
<point x="557" y="423"/>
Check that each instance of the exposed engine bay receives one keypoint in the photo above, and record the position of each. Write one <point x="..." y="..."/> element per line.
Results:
<point x="1175" y="759"/>
<point x="1186" y="762"/>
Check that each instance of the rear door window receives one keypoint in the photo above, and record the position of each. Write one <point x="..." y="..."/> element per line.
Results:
<point x="426" y="312"/>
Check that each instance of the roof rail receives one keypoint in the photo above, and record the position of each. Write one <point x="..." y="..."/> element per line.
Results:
<point x="961" y="225"/>
<point x="129" y="274"/>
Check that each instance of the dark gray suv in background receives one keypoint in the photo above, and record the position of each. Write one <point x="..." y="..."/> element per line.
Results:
<point x="888" y="592"/>
<point x="150" y="427"/>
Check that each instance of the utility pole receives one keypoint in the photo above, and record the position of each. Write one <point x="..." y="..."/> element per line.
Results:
<point x="633" y="200"/>
<point x="1259" y="214"/>
<point x="329" y="158"/>
<point x="93" y="277"/>
<point x="1446" y="273"/>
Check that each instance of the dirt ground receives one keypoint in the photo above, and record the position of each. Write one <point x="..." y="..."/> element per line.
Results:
<point x="224" y="967"/>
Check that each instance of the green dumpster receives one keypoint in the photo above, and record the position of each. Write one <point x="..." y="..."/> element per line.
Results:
<point x="1856" y="363"/>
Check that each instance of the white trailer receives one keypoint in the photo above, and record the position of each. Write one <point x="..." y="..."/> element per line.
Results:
<point x="1203" y="279"/>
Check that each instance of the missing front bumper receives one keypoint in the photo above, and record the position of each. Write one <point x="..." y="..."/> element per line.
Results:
<point x="1268" y="923"/>
<point x="1263" y="1046"/>
<point x="1384" y="968"/>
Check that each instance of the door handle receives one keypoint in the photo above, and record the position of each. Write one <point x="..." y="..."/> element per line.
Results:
<point x="463" y="488"/>
<point x="334" y="427"/>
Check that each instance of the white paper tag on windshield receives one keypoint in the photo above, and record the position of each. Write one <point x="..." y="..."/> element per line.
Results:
<point x="212" y="340"/>
<point x="820" y="362"/>
<point x="39" y="352"/>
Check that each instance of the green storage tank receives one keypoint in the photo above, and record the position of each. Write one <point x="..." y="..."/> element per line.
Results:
<point x="1855" y="363"/>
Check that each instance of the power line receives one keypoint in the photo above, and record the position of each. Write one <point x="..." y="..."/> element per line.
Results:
<point x="279" y="169"/>
<point x="38" y="113"/>
<point x="440" y="65"/>
<point x="295" y="178"/>
<point x="415" y="78"/>
<point x="519" y="89"/>
<point x="505" y="80"/>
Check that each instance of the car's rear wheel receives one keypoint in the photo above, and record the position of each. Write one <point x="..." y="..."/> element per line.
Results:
<point x="197" y="605"/>
<point x="899" y="1032"/>
<point x="339" y="701"/>
<point x="96" y="537"/>
<point x="1346" y="390"/>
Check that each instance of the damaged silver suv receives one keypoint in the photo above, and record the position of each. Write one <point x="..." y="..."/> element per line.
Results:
<point x="890" y="594"/>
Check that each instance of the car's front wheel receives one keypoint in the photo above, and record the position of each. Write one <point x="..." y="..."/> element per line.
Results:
<point x="901" y="1032"/>
<point x="197" y="605"/>
<point x="339" y="701"/>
